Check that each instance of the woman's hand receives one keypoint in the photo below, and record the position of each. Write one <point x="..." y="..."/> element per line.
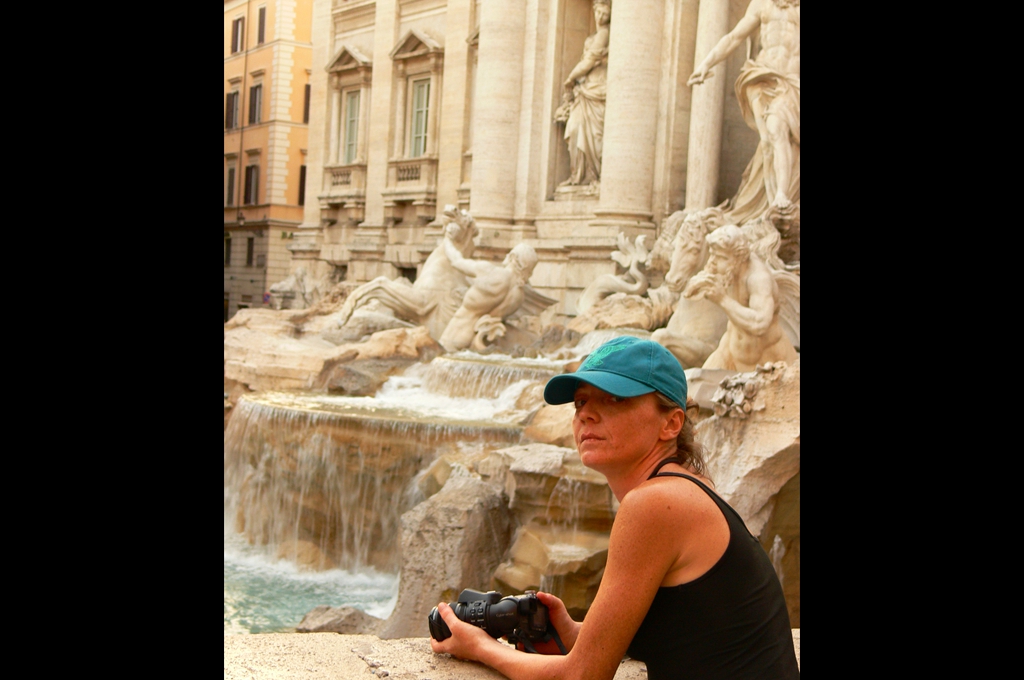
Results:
<point x="559" y="617"/>
<point x="466" y="639"/>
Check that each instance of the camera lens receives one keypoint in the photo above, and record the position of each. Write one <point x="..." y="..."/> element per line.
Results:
<point x="438" y="628"/>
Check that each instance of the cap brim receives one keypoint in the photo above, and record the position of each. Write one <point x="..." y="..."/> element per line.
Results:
<point x="562" y="388"/>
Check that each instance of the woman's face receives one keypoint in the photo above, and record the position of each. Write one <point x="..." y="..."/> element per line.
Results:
<point x="601" y="14"/>
<point x="611" y="430"/>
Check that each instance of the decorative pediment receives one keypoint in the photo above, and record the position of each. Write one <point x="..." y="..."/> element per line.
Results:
<point x="346" y="59"/>
<point x="415" y="43"/>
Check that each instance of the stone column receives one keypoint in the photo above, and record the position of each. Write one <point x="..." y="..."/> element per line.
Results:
<point x="334" y="134"/>
<point x="399" y="150"/>
<point x="707" y="108"/>
<point x="451" y="129"/>
<point x="631" y="118"/>
<point x="433" y="110"/>
<point x="381" y="115"/>
<point x="496" y="114"/>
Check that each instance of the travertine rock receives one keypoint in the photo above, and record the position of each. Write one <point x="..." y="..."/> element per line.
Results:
<point x="271" y="357"/>
<point x="552" y="425"/>
<point x="619" y="310"/>
<point x="346" y="620"/>
<point x="751" y="458"/>
<point x="568" y="563"/>
<point x="329" y="656"/>
<point x="452" y="541"/>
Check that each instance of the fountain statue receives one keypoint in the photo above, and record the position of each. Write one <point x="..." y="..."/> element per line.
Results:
<point x="436" y="294"/>
<point x="768" y="91"/>
<point x="293" y="292"/>
<point x="497" y="293"/>
<point x="737" y="279"/>
<point x="582" y="108"/>
<point x="633" y="257"/>
<point x="696" y="325"/>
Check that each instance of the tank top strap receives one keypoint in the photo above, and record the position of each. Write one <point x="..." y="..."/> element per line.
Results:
<point x="670" y="459"/>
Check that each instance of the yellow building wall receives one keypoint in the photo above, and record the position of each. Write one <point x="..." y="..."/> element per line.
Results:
<point x="281" y="64"/>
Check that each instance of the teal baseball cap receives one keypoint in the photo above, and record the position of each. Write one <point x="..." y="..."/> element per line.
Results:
<point x="626" y="367"/>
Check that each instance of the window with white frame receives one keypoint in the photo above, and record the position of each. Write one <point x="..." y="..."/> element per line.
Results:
<point x="252" y="184"/>
<point x="230" y="193"/>
<point x="255" y="103"/>
<point x="238" y="35"/>
<point x="351" y="132"/>
<point x="231" y="109"/>
<point x="419" y="111"/>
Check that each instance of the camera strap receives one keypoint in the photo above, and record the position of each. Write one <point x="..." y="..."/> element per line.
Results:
<point x="550" y="634"/>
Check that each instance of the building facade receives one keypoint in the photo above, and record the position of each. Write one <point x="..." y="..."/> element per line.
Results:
<point x="267" y="67"/>
<point x="419" y="104"/>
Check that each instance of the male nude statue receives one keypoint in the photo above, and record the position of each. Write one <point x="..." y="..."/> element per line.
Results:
<point x="739" y="282"/>
<point x="768" y="90"/>
<point x="497" y="292"/>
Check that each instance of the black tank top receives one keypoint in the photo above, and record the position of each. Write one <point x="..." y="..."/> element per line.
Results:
<point x="729" y="623"/>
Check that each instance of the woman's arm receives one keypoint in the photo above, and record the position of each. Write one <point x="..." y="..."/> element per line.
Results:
<point x="639" y="557"/>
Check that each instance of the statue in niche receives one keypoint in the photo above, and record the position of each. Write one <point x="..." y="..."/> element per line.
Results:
<point x="497" y="292"/>
<point x="768" y="91"/>
<point x="437" y="293"/>
<point x="582" y="108"/>
<point x="696" y="325"/>
<point x="633" y="257"/>
<point x="739" y="281"/>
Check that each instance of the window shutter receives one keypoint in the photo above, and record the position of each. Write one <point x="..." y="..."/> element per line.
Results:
<point x="263" y="21"/>
<point x="302" y="185"/>
<point x="229" y="114"/>
<point x="305" y="106"/>
<point x="231" y="186"/>
<point x="248" y="184"/>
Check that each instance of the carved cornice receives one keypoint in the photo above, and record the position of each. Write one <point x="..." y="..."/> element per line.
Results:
<point x="348" y="58"/>
<point x="415" y="43"/>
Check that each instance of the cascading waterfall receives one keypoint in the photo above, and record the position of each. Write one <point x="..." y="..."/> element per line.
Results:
<point x="331" y="472"/>
<point x="321" y="482"/>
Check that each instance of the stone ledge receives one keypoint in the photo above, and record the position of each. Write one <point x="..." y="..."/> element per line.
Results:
<point x="332" y="656"/>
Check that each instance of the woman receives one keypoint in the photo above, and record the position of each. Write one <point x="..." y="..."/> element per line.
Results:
<point x="686" y="588"/>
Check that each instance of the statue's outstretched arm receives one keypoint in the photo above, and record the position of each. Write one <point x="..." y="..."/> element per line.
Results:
<point x="750" y="22"/>
<point x="463" y="264"/>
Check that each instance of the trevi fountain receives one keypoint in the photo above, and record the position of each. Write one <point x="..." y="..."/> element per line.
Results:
<point x="386" y="443"/>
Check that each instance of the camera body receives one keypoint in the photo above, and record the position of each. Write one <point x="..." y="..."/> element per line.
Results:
<point x="520" y="618"/>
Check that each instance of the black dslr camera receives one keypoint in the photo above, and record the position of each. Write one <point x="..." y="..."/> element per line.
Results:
<point x="519" y="618"/>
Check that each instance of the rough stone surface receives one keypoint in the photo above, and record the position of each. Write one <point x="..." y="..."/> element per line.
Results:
<point x="348" y="620"/>
<point x="552" y="425"/>
<point x="265" y="352"/>
<point x="620" y="310"/>
<point x="330" y="656"/>
<point x="452" y="541"/>
<point x="752" y="457"/>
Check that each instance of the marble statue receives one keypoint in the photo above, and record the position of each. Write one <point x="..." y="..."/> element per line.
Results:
<point x="291" y="293"/>
<point x="736" y="279"/>
<point x="582" y="108"/>
<point x="437" y="292"/>
<point x="768" y="91"/>
<point x="696" y="325"/>
<point x="497" y="292"/>
<point x="633" y="257"/>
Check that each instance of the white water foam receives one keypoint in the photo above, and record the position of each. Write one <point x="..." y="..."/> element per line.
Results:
<point x="264" y="595"/>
